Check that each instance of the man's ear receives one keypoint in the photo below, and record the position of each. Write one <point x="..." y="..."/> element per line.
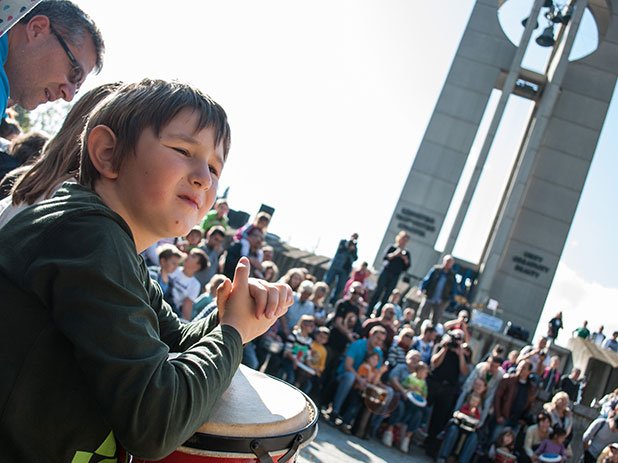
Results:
<point x="38" y="26"/>
<point x="101" y="147"/>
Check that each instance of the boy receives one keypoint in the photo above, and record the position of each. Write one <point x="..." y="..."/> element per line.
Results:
<point x="187" y="288"/>
<point x="84" y="327"/>
<point x="169" y="259"/>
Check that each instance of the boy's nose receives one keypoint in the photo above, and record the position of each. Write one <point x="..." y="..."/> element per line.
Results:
<point x="201" y="176"/>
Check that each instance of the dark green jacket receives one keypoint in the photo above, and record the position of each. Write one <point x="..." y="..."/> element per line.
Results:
<point x="85" y="338"/>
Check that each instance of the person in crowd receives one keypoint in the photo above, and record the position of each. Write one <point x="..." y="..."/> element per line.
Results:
<point x="386" y="320"/>
<point x="360" y="275"/>
<point x="317" y="361"/>
<point x="491" y="373"/>
<point x="536" y="355"/>
<point x="559" y="412"/>
<point x="399" y="349"/>
<point x="136" y="186"/>
<point x="216" y="216"/>
<point x="553" y="328"/>
<point x="213" y="248"/>
<point x="369" y="373"/>
<point x="437" y="289"/>
<point x="460" y="323"/>
<point x="394" y="300"/>
<point x="341" y="266"/>
<point x="503" y="444"/>
<point x="59" y="161"/>
<point x="583" y="331"/>
<point x="207" y="301"/>
<point x="601" y="433"/>
<point x="347" y="370"/>
<point x="513" y="398"/>
<point x="608" y="403"/>
<point x="446" y="365"/>
<point x="511" y="361"/>
<point x="554" y="444"/>
<point x="535" y="434"/>
<point x="268" y="252"/>
<point x="293" y="278"/>
<point x="609" y="454"/>
<point x="396" y="261"/>
<point x="497" y="351"/>
<point x="409" y="319"/>
<point x="571" y="384"/>
<point x="320" y="291"/>
<point x="191" y="241"/>
<point x="302" y="306"/>
<point x="598" y="337"/>
<point x="297" y="348"/>
<point x="247" y="247"/>
<point x="550" y="380"/>
<point x="261" y="221"/>
<point x="24" y="150"/>
<point x="270" y="271"/>
<point x="405" y="379"/>
<point x="424" y="343"/>
<point x="47" y="55"/>
<point x="612" y="343"/>
<point x="186" y="288"/>
<point x="169" y="260"/>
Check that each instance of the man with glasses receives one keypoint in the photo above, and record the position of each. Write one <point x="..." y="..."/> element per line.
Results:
<point x="47" y="55"/>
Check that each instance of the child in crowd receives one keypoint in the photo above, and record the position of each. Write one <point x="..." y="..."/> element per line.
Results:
<point x="192" y="240"/>
<point x="317" y="361"/>
<point x="216" y="216"/>
<point x="501" y="451"/>
<point x="415" y="383"/>
<point x="186" y="287"/>
<point x="169" y="259"/>
<point x="297" y="348"/>
<point x="510" y="362"/>
<point x="80" y="311"/>
<point x="207" y="301"/>
<point x="554" y="445"/>
<point x="472" y="407"/>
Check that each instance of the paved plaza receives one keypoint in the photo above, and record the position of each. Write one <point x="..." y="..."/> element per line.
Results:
<point x="332" y="446"/>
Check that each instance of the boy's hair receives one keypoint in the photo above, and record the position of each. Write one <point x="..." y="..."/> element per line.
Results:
<point x="262" y="217"/>
<point x="557" y="431"/>
<point x="148" y="104"/>
<point x="195" y="230"/>
<point x="202" y="258"/>
<point x="371" y="354"/>
<point x="167" y="251"/>
<point x="71" y="23"/>
<point x="220" y="202"/>
<point x="422" y="366"/>
<point x="9" y="127"/>
<point x="324" y="330"/>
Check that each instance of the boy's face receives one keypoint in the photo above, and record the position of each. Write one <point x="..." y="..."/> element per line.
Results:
<point x="170" y="182"/>
<point x="192" y="264"/>
<point x="170" y="265"/>
<point x="194" y="238"/>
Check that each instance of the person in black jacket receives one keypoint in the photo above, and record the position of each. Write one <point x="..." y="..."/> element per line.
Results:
<point x="437" y="289"/>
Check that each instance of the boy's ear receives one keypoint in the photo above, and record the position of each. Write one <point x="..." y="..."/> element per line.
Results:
<point x="101" y="147"/>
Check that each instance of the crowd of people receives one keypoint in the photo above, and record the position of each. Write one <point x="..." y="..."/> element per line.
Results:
<point x="87" y="314"/>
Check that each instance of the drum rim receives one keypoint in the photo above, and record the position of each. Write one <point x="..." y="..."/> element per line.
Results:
<point x="231" y="444"/>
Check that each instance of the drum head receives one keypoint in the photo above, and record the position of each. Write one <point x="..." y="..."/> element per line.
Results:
<point x="417" y="399"/>
<point x="257" y="406"/>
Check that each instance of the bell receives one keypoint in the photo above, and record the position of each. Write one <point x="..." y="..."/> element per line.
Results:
<point x="556" y="18"/>
<point x="525" y="21"/>
<point x="546" y="39"/>
<point x="548" y="3"/>
<point x="567" y="12"/>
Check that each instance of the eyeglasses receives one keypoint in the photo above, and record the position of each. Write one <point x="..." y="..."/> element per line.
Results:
<point x="76" y="75"/>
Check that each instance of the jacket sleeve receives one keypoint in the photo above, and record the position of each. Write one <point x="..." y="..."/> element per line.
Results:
<point x="102" y="303"/>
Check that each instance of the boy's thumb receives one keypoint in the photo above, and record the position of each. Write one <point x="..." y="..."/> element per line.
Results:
<point x="241" y="274"/>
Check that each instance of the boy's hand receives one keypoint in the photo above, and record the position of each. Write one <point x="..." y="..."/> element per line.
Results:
<point x="246" y="305"/>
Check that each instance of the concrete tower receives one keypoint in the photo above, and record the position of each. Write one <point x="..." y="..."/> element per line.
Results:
<point x="570" y="104"/>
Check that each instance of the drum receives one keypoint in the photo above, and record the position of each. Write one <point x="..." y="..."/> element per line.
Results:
<point x="502" y="456"/>
<point x="258" y="419"/>
<point x="550" y="458"/>
<point x="272" y="345"/>
<point x="417" y="399"/>
<point x="465" y="422"/>
<point x="379" y="400"/>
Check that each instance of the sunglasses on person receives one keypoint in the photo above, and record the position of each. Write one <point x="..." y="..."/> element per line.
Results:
<point x="76" y="75"/>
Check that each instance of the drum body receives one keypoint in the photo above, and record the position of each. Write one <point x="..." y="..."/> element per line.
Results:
<point x="550" y="458"/>
<point x="258" y="419"/>
<point x="465" y="422"/>
<point x="504" y="457"/>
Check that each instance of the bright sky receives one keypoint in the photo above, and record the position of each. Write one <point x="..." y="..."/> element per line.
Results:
<point x="328" y="102"/>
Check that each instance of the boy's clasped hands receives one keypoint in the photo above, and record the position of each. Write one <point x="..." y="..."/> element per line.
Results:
<point x="249" y="305"/>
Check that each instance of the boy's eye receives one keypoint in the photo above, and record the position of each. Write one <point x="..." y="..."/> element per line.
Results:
<point x="182" y="151"/>
<point x="214" y="170"/>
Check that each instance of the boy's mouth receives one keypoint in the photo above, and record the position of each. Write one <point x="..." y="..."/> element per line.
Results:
<point x="190" y="199"/>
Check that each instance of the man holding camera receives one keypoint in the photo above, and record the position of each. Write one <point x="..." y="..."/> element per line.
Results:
<point x="443" y="383"/>
<point x="437" y="289"/>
